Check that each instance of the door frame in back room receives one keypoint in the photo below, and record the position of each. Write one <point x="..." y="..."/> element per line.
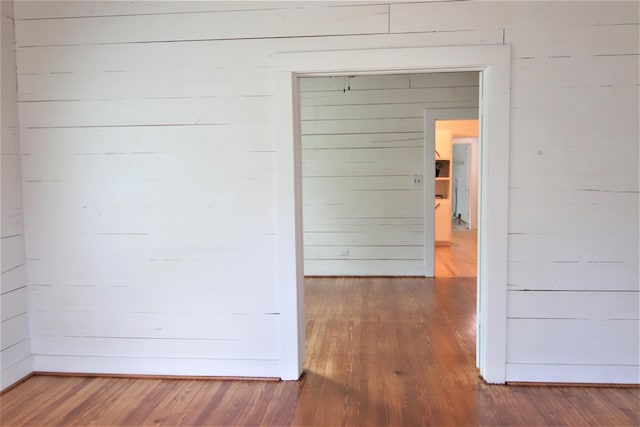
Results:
<point x="430" y="117"/>
<point x="493" y="63"/>
<point x="470" y="145"/>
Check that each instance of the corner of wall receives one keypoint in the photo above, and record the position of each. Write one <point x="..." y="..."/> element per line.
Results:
<point x="16" y="360"/>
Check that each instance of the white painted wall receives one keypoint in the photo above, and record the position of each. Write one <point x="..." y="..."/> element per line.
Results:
<point x="362" y="143"/>
<point x="15" y="347"/>
<point x="148" y="177"/>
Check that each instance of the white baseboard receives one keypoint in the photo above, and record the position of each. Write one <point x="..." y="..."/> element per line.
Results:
<point x="16" y="372"/>
<point x="588" y="374"/>
<point x="155" y="366"/>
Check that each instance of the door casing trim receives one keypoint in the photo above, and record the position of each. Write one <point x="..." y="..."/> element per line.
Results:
<point x="493" y="63"/>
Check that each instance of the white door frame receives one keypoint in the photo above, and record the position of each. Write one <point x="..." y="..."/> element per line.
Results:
<point x="493" y="63"/>
<point x="462" y="198"/>
<point x="468" y="146"/>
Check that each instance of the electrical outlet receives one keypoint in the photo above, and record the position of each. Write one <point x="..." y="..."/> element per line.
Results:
<point x="344" y="252"/>
<point x="417" y="180"/>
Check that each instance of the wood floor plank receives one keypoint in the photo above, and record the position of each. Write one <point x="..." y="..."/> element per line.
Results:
<point x="171" y="409"/>
<point x="459" y="259"/>
<point x="380" y="352"/>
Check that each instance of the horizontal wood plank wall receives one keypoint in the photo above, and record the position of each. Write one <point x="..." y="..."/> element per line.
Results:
<point x="15" y="347"/>
<point x="362" y="142"/>
<point x="574" y="180"/>
<point x="148" y="165"/>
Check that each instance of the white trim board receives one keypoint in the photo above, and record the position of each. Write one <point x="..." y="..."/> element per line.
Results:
<point x="154" y="366"/>
<point x="14" y="373"/>
<point x="594" y="374"/>
<point x="493" y="62"/>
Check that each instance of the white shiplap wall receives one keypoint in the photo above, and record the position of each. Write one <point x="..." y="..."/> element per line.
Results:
<point x="362" y="142"/>
<point x="15" y="347"/>
<point x="573" y="301"/>
<point x="148" y="168"/>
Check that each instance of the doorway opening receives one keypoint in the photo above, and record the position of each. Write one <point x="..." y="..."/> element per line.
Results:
<point x="367" y="199"/>
<point x="456" y="196"/>
<point x="493" y="64"/>
<point x="367" y="196"/>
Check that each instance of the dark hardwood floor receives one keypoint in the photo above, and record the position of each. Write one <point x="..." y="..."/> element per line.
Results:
<point x="381" y="352"/>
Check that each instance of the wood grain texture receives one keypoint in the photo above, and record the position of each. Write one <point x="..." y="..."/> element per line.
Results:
<point x="381" y="351"/>
<point x="460" y="258"/>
